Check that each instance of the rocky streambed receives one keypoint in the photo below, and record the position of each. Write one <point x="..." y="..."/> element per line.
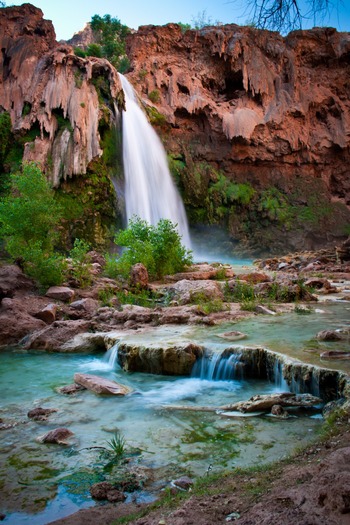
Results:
<point x="190" y="387"/>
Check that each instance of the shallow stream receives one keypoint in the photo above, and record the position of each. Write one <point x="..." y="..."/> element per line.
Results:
<point x="40" y="482"/>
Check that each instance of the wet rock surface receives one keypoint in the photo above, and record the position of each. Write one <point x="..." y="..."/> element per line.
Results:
<point x="101" y="385"/>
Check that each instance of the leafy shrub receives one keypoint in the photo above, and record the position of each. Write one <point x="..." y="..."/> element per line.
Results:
<point x="79" y="52"/>
<point x="139" y="298"/>
<point x="154" y="96"/>
<point x="240" y="291"/>
<point x="158" y="247"/>
<point x="111" y="34"/>
<point x="206" y="305"/>
<point x="48" y="269"/>
<point x="29" y="213"/>
<point x="81" y="262"/>
<point x="29" y="219"/>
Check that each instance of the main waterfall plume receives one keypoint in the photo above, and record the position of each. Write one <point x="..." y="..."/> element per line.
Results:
<point x="150" y="192"/>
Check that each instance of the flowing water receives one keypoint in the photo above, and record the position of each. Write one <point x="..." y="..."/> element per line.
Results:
<point x="150" y="192"/>
<point x="41" y="482"/>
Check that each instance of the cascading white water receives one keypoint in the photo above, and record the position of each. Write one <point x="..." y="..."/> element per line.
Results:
<point x="150" y="192"/>
<point x="218" y="367"/>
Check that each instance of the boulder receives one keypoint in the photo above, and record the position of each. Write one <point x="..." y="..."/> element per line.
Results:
<point x="106" y="491"/>
<point x="85" y="343"/>
<point x="328" y="335"/>
<point x="186" y="291"/>
<point x="12" y="279"/>
<point x="156" y="359"/>
<point x="47" y="314"/>
<point x="197" y="272"/>
<point x="101" y="385"/>
<point x="54" y="336"/>
<point x="60" y="293"/>
<point x="234" y="335"/>
<point x="255" y="277"/>
<point x="40" y="414"/>
<point x="15" y="322"/>
<point x="83" y="308"/>
<point x="70" y="389"/>
<point x="139" y="276"/>
<point x="183" y="483"/>
<point x="279" y="411"/>
<point x="60" y="436"/>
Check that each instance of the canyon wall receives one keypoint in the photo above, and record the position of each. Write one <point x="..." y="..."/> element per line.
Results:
<point x="60" y="106"/>
<point x="258" y="127"/>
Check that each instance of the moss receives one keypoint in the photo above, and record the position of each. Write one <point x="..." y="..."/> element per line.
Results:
<point x="90" y="207"/>
<point x="155" y="118"/>
<point x="154" y="96"/>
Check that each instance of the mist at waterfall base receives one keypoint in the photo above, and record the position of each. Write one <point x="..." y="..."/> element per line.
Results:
<point x="150" y="192"/>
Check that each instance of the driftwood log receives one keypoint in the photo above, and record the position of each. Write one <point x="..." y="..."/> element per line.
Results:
<point x="258" y="403"/>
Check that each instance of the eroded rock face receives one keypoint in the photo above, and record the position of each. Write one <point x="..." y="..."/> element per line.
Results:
<point x="169" y="360"/>
<point x="44" y="86"/>
<point x="260" y="108"/>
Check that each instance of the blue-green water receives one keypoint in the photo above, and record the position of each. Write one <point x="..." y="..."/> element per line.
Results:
<point x="40" y="482"/>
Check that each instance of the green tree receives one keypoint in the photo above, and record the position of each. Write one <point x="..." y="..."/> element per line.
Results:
<point x="159" y="248"/>
<point x="110" y="34"/>
<point x="29" y="220"/>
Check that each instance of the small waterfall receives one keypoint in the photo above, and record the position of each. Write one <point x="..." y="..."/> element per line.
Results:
<point x="111" y="357"/>
<point x="218" y="367"/>
<point x="278" y="378"/>
<point x="150" y="192"/>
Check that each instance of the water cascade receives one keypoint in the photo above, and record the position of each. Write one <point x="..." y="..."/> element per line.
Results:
<point x="150" y="192"/>
<point x="218" y="367"/>
<point x="111" y="357"/>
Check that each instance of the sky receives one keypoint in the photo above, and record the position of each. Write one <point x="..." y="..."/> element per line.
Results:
<point x="70" y="16"/>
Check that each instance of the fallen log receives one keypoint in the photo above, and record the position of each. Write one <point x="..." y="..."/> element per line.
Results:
<point x="258" y="403"/>
<point x="266" y="402"/>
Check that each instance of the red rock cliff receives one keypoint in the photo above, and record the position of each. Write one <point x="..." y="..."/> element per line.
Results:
<point x="263" y="109"/>
<point x="46" y="87"/>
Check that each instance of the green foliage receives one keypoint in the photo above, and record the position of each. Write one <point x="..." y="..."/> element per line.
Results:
<point x="29" y="219"/>
<point x="29" y="213"/>
<point x="117" y="445"/>
<point x="81" y="262"/>
<point x="274" y="205"/>
<point x="225" y="191"/>
<point x="139" y="297"/>
<point x="158" y="247"/>
<point x="303" y="310"/>
<point x="206" y="305"/>
<point x="105" y="295"/>
<point x="27" y="108"/>
<point x="80" y="52"/>
<point x="94" y="50"/>
<point x="45" y="267"/>
<point x="184" y="27"/>
<point x="240" y="291"/>
<point x="111" y="34"/>
<point x="154" y="96"/>
<point x="155" y="118"/>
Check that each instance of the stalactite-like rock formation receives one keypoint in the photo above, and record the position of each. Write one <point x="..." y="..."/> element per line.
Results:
<point x="45" y="87"/>
<point x="262" y="109"/>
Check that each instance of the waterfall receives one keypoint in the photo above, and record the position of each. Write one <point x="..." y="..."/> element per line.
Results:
<point x="218" y="367"/>
<point x="280" y="382"/>
<point x="111" y="357"/>
<point x="150" y="192"/>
